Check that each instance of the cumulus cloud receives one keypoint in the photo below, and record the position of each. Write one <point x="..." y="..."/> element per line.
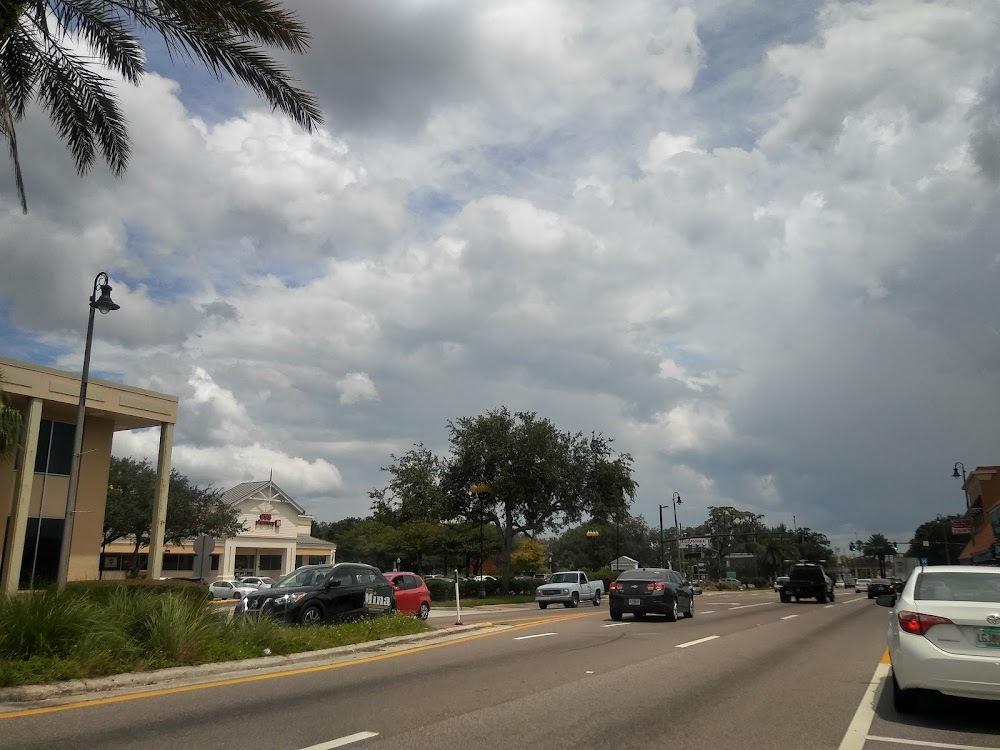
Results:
<point x="763" y="262"/>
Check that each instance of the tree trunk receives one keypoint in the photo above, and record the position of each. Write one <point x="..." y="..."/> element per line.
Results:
<point x="506" y="550"/>
<point x="134" y="572"/>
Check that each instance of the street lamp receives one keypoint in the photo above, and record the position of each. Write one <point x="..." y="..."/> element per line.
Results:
<point x="661" y="534"/>
<point x="956" y="475"/>
<point x="944" y="535"/>
<point x="675" y="500"/>
<point x="593" y="534"/>
<point x="104" y="304"/>
<point x="479" y="490"/>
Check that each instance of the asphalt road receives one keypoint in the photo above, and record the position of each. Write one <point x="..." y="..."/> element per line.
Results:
<point x="746" y="672"/>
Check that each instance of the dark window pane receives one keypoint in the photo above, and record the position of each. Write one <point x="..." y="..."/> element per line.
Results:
<point x="61" y="455"/>
<point x="42" y="454"/>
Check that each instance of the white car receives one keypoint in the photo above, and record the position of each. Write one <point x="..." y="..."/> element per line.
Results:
<point x="838" y="584"/>
<point x="257" y="582"/>
<point x="230" y="590"/>
<point x="944" y="634"/>
<point x="861" y="585"/>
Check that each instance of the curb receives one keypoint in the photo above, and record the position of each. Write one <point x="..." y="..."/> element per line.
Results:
<point x="261" y="664"/>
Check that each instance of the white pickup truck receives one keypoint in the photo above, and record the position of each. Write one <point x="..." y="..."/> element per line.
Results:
<point x="569" y="588"/>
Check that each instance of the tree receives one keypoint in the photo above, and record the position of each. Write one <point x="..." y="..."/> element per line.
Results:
<point x="38" y="62"/>
<point x="730" y="530"/>
<point x="879" y="548"/>
<point x="775" y="550"/>
<point x="529" y="556"/>
<point x="935" y="540"/>
<point x="10" y="424"/>
<point x="191" y="510"/>
<point x="815" y="547"/>
<point x="539" y="477"/>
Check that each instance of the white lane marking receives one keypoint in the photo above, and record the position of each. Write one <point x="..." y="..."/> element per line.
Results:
<point x="536" y="635"/>
<point x="857" y="731"/>
<point x="924" y="743"/>
<point x="788" y="617"/>
<point x="744" y="606"/>
<point x="829" y="605"/>
<point x="614" y="625"/>
<point x="695" y="643"/>
<point x="859" y="599"/>
<point x="589" y="672"/>
<point x="707" y="612"/>
<point x="727" y="603"/>
<point x="340" y="742"/>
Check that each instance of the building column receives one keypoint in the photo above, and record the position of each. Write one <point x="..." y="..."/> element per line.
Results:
<point x="288" y="560"/>
<point x="154" y="568"/>
<point x="228" y="571"/>
<point x="13" y="544"/>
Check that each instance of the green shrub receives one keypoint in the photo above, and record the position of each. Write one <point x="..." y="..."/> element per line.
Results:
<point x="179" y="628"/>
<point x="102" y="591"/>
<point x="44" y="623"/>
<point x="442" y="589"/>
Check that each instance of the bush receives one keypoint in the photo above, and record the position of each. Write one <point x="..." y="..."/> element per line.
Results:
<point x="103" y="591"/>
<point x="442" y="589"/>
<point x="46" y="623"/>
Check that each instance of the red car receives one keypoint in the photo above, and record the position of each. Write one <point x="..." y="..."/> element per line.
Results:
<point x="412" y="595"/>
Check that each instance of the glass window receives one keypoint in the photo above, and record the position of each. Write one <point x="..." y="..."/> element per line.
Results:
<point x="269" y="562"/>
<point x="643" y="575"/>
<point x="178" y="562"/>
<point x="958" y="587"/>
<point x="316" y="559"/>
<point x="55" y="447"/>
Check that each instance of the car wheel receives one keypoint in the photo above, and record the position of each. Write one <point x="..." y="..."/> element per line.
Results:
<point x="575" y="602"/>
<point x="690" y="610"/>
<point x="672" y="614"/>
<point x="784" y="599"/>
<point x="542" y="605"/>
<point x="425" y="611"/>
<point x="821" y="598"/>
<point x="311" y="615"/>
<point x="616" y="615"/>
<point x="904" y="701"/>
<point x="597" y="598"/>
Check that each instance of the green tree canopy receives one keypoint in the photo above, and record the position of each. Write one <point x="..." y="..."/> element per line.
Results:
<point x="935" y="540"/>
<point x="879" y="548"/>
<point x="40" y="62"/>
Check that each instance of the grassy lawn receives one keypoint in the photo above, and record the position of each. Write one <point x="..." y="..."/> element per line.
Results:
<point x="477" y="602"/>
<point x="95" y="631"/>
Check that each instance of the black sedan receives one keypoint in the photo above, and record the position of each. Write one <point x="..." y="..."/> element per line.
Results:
<point x="880" y="586"/>
<point x="315" y="594"/>
<point x="651" y="591"/>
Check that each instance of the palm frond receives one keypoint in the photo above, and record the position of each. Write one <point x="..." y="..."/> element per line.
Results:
<point x="18" y="69"/>
<point x="107" y="30"/>
<point x="263" y="21"/>
<point x="83" y="109"/>
<point x="8" y="131"/>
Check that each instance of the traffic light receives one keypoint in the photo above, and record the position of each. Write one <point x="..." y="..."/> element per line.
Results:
<point x="895" y="547"/>
<point x="854" y="547"/>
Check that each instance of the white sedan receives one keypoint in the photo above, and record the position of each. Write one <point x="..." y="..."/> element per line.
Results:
<point x="230" y="590"/>
<point x="944" y="634"/>
<point x="257" y="582"/>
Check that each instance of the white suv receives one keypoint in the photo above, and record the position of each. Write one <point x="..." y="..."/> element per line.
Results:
<point x="861" y="585"/>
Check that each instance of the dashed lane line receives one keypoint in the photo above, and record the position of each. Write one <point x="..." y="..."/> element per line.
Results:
<point x="857" y="732"/>
<point x="342" y="741"/>
<point x="924" y="743"/>
<point x="788" y="617"/>
<point x="758" y="604"/>
<point x="534" y="635"/>
<point x="695" y="643"/>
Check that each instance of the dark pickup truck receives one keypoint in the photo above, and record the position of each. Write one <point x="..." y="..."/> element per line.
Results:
<point x="807" y="581"/>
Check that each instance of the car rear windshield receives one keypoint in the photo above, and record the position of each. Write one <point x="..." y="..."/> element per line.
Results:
<point x="643" y="575"/>
<point x="804" y="573"/>
<point x="958" y="587"/>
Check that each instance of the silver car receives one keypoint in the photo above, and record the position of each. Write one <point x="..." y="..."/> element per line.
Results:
<point x="230" y="589"/>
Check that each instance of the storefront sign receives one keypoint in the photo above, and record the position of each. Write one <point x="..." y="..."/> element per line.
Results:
<point x="266" y="520"/>
<point x="961" y="526"/>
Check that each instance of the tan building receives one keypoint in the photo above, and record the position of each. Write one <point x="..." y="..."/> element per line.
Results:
<point x="34" y="483"/>
<point x="982" y="489"/>
<point x="276" y="540"/>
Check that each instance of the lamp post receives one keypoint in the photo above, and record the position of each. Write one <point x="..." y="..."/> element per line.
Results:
<point x="944" y="536"/>
<point x="661" y="534"/>
<point x="956" y="475"/>
<point x="104" y="304"/>
<point x="592" y="534"/>
<point x="675" y="500"/>
<point x="479" y="490"/>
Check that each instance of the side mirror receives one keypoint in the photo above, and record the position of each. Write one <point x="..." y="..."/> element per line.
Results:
<point x="886" y="600"/>
<point x="333" y="583"/>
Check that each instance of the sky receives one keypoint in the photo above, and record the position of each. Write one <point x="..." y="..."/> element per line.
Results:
<point x="753" y="243"/>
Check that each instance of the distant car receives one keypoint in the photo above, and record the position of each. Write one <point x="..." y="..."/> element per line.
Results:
<point x="483" y="578"/>
<point x="807" y="581"/>
<point x="258" y="582"/>
<point x="779" y="582"/>
<point x="230" y="589"/>
<point x="645" y="591"/>
<point x="861" y="585"/>
<point x="412" y="595"/>
<point x="696" y="588"/>
<point x="880" y="587"/>
<point x="838" y="584"/>
<point x="944" y="634"/>
<point x="315" y="594"/>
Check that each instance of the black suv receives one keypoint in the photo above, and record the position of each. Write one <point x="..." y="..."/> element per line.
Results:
<point x="807" y="581"/>
<point x="315" y="594"/>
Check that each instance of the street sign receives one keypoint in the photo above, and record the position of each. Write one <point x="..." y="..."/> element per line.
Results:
<point x="203" y="547"/>
<point x="730" y="574"/>
<point x="923" y="560"/>
<point x="693" y="542"/>
<point x="740" y="555"/>
<point x="961" y="526"/>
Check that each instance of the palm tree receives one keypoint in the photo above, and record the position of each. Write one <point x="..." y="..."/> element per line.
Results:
<point x="775" y="549"/>
<point x="40" y="62"/>
<point x="880" y="548"/>
<point x="10" y="424"/>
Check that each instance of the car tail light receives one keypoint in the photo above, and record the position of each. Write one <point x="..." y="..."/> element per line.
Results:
<point x="656" y="586"/>
<point x="615" y="586"/>
<point x="918" y="624"/>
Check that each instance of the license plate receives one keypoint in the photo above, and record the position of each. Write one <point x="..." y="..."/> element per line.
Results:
<point x="633" y="602"/>
<point x="989" y="637"/>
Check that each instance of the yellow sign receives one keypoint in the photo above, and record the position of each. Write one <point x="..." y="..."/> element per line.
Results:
<point x="478" y="488"/>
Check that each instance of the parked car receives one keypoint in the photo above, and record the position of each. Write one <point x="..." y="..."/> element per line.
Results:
<point x="807" y="581"/>
<point x="315" y="594"/>
<point x="879" y="587"/>
<point x="861" y="585"/>
<point x="838" y="584"/>
<point x="258" y="582"/>
<point x="696" y="588"/>
<point x="779" y="582"/>
<point x="412" y="594"/>
<point x="230" y="589"/>
<point x="944" y="634"/>
<point x="569" y="588"/>
<point x="651" y="591"/>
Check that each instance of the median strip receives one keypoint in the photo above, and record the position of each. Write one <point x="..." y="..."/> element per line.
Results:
<point x="695" y="643"/>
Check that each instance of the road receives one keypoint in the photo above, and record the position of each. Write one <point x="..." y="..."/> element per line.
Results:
<point x="746" y="672"/>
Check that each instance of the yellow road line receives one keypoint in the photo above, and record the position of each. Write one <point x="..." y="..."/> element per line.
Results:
<point x="288" y="673"/>
<point x="885" y="658"/>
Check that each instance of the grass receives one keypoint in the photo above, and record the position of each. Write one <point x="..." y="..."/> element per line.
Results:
<point x="87" y="632"/>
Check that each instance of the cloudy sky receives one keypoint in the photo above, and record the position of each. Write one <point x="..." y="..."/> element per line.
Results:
<point x="755" y="243"/>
